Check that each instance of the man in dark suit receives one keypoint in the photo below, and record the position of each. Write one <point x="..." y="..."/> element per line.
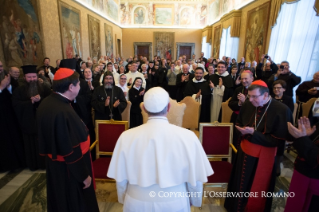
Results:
<point x="202" y="58"/>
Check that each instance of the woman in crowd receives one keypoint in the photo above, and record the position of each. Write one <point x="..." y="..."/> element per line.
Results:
<point x="136" y="94"/>
<point x="122" y="84"/>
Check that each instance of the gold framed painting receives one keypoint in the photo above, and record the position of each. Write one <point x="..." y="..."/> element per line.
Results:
<point x="94" y="37"/>
<point x="70" y="26"/>
<point x="164" y="43"/>
<point x="256" y="32"/>
<point x="163" y="14"/>
<point x="216" y="41"/>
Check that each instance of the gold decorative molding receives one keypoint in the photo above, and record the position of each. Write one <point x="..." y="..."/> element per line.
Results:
<point x="232" y="19"/>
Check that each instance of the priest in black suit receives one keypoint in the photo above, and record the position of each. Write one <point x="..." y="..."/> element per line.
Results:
<point x="181" y="81"/>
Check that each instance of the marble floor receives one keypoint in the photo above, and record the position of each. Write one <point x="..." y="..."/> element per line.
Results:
<point x="18" y="189"/>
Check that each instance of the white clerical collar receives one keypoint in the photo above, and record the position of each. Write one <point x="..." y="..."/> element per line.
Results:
<point x="63" y="96"/>
<point x="196" y="81"/>
<point x="88" y="80"/>
<point x="224" y="74"/>
<point x="137" y="88"/>
<point x="158" y="118"/>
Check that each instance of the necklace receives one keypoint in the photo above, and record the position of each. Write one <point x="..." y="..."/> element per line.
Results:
<point x="256" y="126"/>
<point x="110" y="103"/>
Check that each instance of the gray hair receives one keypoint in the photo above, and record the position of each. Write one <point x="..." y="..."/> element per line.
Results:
<point x="161" y="113"/>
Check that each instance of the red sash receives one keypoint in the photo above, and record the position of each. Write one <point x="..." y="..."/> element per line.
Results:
<point x="85" y="147"/>
<point x="262" y="177"/>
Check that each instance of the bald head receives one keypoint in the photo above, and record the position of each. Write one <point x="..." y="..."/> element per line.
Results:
<point x="14" y="73"/>
<point x="316" y="77"/>
<point x="185" y="68"/>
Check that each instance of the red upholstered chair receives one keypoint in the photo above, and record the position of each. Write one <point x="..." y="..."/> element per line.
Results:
<point x="107" y="134"/>
<point x="216" y="139"/>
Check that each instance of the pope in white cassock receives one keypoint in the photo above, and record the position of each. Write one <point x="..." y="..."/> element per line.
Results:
<point x="156" y="164"/>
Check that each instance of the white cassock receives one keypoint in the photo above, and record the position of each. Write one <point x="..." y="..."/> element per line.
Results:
<point x="134" y="75"/>
<point x="159" y="157"/>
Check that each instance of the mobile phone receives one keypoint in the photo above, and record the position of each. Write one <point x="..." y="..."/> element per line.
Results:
<point x="316" y="88"/>
<point x="266" y="56"/>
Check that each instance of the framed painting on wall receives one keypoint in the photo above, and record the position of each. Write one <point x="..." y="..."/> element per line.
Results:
<point x="70" y="24"/>
<point x="163" y="14"/>
<point x="108" y="31"/>
<point x="216" y="41"/>
<point x="94" y="37"/>
<point x="256" y="32"/>
<point x="164" y="44"/>
<point x="21" y="37"/>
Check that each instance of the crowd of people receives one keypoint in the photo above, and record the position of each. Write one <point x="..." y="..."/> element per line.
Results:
<point x="260" y="95"/>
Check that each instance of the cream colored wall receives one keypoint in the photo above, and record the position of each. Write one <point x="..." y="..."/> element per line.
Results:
<point x="51" y="29"/>
<point x="146" y="35"/>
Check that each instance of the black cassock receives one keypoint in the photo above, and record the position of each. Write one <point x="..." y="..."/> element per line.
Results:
<point x="61" y="135"/>
<point x="12" y="151"/>
<point x="227" y="82"/>
<point x="102" y="112"/>
<point x="136" y="118"/>
<point x="182" y="85"/>
<point x="270" y="133"/>
<point x="193" y="88"/>
<point x="26" y="114"/>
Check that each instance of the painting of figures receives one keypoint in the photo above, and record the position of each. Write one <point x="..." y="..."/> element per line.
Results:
<point x="216" y="41"/>
<point x="20" y="34"/>
<point x="139" y="15"/>
<point x="112" y="10"/>
<point x="164" y="44"/>
<point x="70" y="24"/>
<point x="164" y="14"/>
<point x="256" y="32"/>
<point x="94" y="37"/>
<point x="108" y="30"/>
<point x="186" y="16"/>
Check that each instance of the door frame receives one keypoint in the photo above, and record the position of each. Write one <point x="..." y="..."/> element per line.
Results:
<point x="179" y="44"/>
<point x="150" y="48"/>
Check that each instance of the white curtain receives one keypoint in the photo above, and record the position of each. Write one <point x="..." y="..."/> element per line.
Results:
<point x="228" y="45"/>
<point x="206" y="48"/>
<point x="295" y="38"/>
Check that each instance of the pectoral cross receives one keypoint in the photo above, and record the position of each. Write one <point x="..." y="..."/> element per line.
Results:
<point x="111" y="115"/>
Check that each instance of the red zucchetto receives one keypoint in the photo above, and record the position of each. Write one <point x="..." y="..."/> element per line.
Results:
<point x="63" y="73"/>
<point x="260" y="83"/>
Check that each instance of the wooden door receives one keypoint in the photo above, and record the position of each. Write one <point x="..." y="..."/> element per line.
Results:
<point x="185" y="50"/>
<point x="143" y="51"/>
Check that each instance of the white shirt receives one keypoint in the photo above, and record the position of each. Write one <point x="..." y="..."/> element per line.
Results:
<point x="134" y="75"/>
<point x="166" y="157"/>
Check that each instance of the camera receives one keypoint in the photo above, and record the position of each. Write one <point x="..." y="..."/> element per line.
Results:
<point x="266" y="56"/>
<point x="282" y="67"/>
<point x="185" y="74"/>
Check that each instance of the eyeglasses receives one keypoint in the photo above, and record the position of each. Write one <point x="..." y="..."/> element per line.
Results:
<point x="253" y="97"/>
<point x="277" y="88"/>
<point x="123" y="78"/>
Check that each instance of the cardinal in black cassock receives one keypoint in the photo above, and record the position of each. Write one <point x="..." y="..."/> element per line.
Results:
<point x="198" y="83"/>
<point x="108" y="100"/>
<point x="65" y="141"/>
<point x="25" y="101"/>
<point x="263" y="125"/>
<point x="12" y="151"/>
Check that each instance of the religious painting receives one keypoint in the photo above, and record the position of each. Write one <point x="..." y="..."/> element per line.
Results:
<point x="94" y="37"/>
<point x="164" y="15"/>
<point x="70" y="24"/>
<point x="256" y="32"/>
<point x="20" y="33"/>
<point x="216" y="42"/>
<point x="112" y="9"/>
<point x="164" y="44"/>
<point x="186" y="16"/>
<point x="108" y="31"/>
<point x="125" y="11"/>
<point x="139" y="15"/>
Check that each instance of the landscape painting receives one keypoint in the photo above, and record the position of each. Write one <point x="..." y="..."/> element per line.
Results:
<point x="20" y="33"/>
<point x="70" y="24"/>
<point x="164" y="15"/>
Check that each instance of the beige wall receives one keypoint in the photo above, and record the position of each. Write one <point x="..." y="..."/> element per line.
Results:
<point x="146" y="35"/>
<point x="51" y="29"/>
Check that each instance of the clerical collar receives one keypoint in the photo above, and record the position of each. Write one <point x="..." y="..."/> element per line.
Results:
<point x="158" y="117"/>
<point x="137" y="88"/>
<point x="223" y="74"/>
<point x="64" y="96"/>
<point x="267" y="103"/>
<point x="196" y="81"/>
<point x="88" y="80"/>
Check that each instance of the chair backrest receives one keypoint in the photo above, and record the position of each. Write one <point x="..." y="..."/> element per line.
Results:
<point x="175" y="114"/>
<point x="107" y="134"/>
<point x="294" y="113"/>
<point x="226" y="112"/>
<point x="216" y="139"/>
<point x="126" y="113"/>
<point x="191" y="113"/>
<point x="307" y="106"/>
